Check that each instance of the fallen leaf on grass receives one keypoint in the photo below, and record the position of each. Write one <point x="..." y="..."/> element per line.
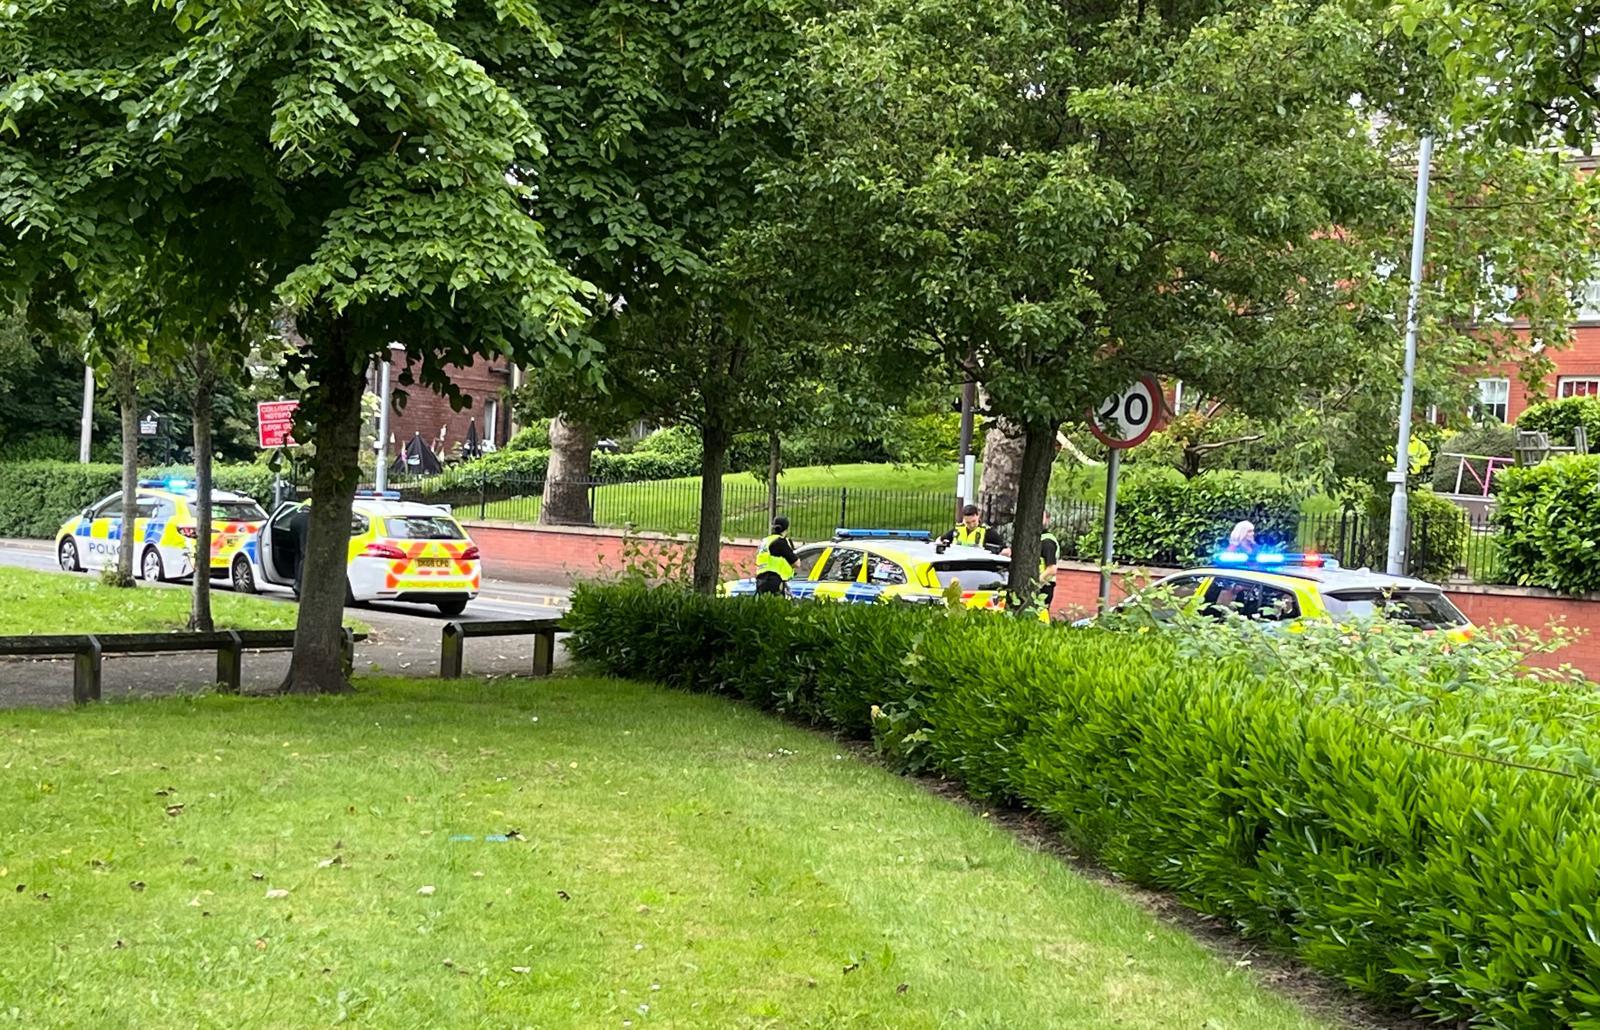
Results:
<point x="520" y="969"/>
<point x="175" y="810"/>
<point x="563" y="895"/>
<point x="118" y="944"/>
<point x="261" y="944"/>
<point x="329" y="862"/>
<point x="258" y="876"/>
<point x="852" y="967"/>
<point x="166" y="792"/>
<point x="902" y="988"/>
<point x="137" y="885"/>
<point x="426" y="891"/>
<point x="277" y="892"/>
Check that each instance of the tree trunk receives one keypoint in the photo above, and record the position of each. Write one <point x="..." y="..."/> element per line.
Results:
<point x="128" y="404"/>
<point x="708" y="538"/>
<point x="566" y="480"/>
<point x="1038" y="457"/>
<point x="774" y="466"/>
<point x="200" y="403"/>
<point x="334" y="409"/>
<point x="1002" y="471"/>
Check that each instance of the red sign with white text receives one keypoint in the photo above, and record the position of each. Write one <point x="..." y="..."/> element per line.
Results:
<point x="275" y="423"/>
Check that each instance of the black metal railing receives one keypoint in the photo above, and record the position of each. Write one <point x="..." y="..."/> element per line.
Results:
<point x="1464" y="546"/>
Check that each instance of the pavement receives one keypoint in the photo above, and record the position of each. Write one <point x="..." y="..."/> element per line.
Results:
<point x="404" y="641"/>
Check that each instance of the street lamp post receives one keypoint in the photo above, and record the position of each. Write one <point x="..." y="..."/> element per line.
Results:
<point x="381" y="477"/>
<point x="86" y="426"/>
<point x="1402" y="454"/>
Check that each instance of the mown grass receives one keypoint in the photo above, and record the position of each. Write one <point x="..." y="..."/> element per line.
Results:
<point x="676" y="861"/>
<point x="54" y="602"/>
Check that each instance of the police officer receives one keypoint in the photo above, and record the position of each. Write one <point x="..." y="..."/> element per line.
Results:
<point x="971" y="532"/>
<point x="1049" y="554"/>
<point x="775" y="561"/>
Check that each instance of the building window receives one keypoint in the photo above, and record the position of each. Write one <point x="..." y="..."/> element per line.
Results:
<point x="1501" y="295"/>
<point x="1578" y="386"/>
<point x="491" y="422"/>
<point x="1494" y="399"/>
<point x="1589" y="301"/>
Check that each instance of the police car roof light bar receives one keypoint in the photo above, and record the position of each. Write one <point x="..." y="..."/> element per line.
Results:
<point x="166" y="484"/>
<point x="881" y="534"/>
<point x="367" y="493"/>
<point x="1310" y="559"/>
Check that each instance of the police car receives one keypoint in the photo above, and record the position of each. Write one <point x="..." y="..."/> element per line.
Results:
<point x="164" y="532"/>
<point x="399" y="551"/>
<point x="869" y="565"/>
<point x="1274" y="587"/>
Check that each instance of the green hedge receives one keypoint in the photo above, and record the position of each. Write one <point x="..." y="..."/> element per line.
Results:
<point x="36" y="497"/>
<point x="1463" y="888"/>
<point x="1549" y="517"/>
<point x="506" y="469"/>
<point x="1559" y="418"/>
<point x="1162" y="521"/>
<point x="1439" y="533"/>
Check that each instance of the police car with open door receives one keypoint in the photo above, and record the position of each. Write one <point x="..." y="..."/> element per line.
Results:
<point x="398" y="551"/>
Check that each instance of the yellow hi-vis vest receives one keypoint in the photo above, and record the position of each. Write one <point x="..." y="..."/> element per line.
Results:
<point x="766" y="561"/>
<point x="973" y="537"/>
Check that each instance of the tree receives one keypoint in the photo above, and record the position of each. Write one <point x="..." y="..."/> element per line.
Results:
<point x="1080" y="195"/>
<point x="358" y="156"/>
<point x="662" y="110"/>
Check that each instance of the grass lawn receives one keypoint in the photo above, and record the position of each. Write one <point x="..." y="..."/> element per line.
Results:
<point x="52" y="602"/>
<point x="679" y="862"/>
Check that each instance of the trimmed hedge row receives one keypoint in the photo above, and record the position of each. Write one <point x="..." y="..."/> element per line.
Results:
<point x="1162" y="521"/>
<point x="1464" y="888"/>
<point x="519" y="468"/>
<point x="36" y="497"/>
<point x="1549" y="517"/>
<point x="1559" y="418"/>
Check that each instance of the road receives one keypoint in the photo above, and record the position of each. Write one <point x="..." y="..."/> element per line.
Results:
<point x="404" y="641"/>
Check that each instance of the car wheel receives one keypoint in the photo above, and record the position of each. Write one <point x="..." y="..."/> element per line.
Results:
<point x="243" y="576"/>
<point x="150" y="566"/>
<point x="454" y="606"/>
<point x="67" y="555"/>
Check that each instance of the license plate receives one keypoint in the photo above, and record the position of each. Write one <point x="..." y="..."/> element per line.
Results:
<point x="433" y="563"/>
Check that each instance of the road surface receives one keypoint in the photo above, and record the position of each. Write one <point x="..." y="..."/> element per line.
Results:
<point x="404" y="641"/>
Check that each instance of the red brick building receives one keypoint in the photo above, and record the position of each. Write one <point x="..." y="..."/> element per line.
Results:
<point x="1503" y="395"/>
<point x="487" y="383"/>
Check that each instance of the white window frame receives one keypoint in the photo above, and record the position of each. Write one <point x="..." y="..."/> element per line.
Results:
<point x="1486" y="406"/>
<point x="491" y="422"/>
<point x="1565" y="386"/>
<point x="1589" y="301"/>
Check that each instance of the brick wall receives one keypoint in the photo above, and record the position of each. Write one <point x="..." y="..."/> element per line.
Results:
<point x="1582" y="358"/>
<point x="425" y="411"/>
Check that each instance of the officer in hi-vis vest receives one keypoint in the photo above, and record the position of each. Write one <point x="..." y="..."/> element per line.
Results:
<point x="971" y="532"/>
<point x="775" y="561"/>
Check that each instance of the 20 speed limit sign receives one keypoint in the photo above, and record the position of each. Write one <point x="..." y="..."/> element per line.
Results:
<point x="1128" y="418"/>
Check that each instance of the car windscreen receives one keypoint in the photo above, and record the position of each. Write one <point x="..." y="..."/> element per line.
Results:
<point x="237" y="511"/>
<point x="1424" y="609"/>
<point x="421" y="527"/>
<point x="972" y="575"/>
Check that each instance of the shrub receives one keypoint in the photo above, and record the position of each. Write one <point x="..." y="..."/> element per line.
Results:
<point x="1306" y="806"/>
<point x="1492" y="440"/>
<point x="1549" y="517"/>
<point x="535" y="437"/>
<point x="36" y="497"/>
<point x="1164" y="521"/>
<point x="506" y="469"/>
<point x="1439" y="532"/>
<point x="1559" y="418"/>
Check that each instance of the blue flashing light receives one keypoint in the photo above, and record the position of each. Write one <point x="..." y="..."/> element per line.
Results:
<point x="881" y="534"/>
<point x="178" y="485"/>
<point x="1269" y="558"/>
<point x="1232" y="558"/>
<point x="381" y="495"/>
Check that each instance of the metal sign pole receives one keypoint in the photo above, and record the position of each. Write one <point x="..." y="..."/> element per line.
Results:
<point x="1398" y="503"/>
<point x="1108" y="527"/>
<point x="86" y="425"/>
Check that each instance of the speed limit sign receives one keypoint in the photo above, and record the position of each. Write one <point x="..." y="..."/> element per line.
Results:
<point x="1128" y="418"/>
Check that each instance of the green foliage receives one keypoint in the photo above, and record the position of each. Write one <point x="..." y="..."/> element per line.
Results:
<point x="532" y="437"/>
<point x="1439" y="533"/>
<point x="1435" y="847"/>
<point x="36" y="497"/>
<point x="1560" y="418"/>
<point x="1164" y="521"/>
<point x="1549" y="517"/>
<point x="1491" y="439"/>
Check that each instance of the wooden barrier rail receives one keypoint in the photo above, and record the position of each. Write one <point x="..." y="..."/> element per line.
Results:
<point x="452" y="642"/>
<point x="87" y="650"/>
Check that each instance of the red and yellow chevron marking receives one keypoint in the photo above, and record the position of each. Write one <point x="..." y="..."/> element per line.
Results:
<point x="408" y="566"/>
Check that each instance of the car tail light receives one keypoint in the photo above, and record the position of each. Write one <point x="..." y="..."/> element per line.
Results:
<point x="188" y="531"/>
<point x="380" y="549"/>
<point x="471" y="553"/>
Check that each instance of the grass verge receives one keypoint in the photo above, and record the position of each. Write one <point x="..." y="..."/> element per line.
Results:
<point x="56" y="602"/>
<point x="678" y="861"/>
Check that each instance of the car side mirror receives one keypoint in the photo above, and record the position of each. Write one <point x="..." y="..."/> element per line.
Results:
<point x="88" y="513"/>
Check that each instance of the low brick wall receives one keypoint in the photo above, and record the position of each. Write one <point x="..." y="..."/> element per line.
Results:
<point x="545" y="554"/>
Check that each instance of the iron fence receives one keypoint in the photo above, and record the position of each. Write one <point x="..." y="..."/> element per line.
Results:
<point x="1462" y="546"/>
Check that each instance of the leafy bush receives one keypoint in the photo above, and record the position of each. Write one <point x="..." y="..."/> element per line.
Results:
<point x="1437" y="851"/>
<point x="534" y="437"/>
<point x="1439" y="532"/>
<point x="1163" y="521"/>
<point x="527" y="468"/>
<point x="1492" y="440"/>
<point x="1549" y="516"/>
<point x="54" y="447"/>
<point x="36" y="497"/>
<point x="1559" y="418"/>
